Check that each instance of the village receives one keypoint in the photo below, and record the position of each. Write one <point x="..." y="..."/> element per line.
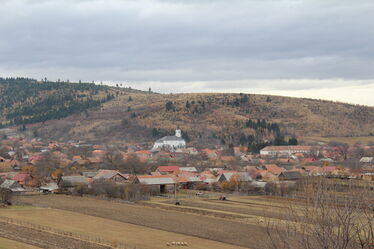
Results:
<point x="170" y="165"/>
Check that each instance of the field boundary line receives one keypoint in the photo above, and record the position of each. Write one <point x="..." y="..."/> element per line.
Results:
<point x="201" y="212"/>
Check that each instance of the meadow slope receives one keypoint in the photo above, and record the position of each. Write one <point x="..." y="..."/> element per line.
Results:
<point x="209" y="117"/>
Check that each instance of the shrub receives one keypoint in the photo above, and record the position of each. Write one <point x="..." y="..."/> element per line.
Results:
<point x="5" y="195"/>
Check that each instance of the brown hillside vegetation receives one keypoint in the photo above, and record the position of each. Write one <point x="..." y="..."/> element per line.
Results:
<point x="134" y="115"/>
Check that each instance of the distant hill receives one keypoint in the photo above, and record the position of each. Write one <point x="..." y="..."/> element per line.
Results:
<point x="27" y="101"/>
<point x="102" y="113"/>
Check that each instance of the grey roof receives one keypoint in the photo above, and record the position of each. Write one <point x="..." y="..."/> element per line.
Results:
<point x="170" y="138"/>
<point x="188" y="169"/>
<point x="10" y="175"/>
<point x="74" y="180"/>
<point x="89" y="174"/>
<point x="194" y="179"/>
<point x="366" y="159"/>
<point x="243" y="176"/>
<point x="9" y="184"/>
<point x="215" y="169"/>
<point x="83" y="145"/>
<point x="12" y="185"/>
<point x="50" y="186"/>
<point x="326" y="160"/>
<point x="156" y="180"/>
<point x="108" y="174"/>
<point x="291" y="175"/>
<point x="211" y="180"/>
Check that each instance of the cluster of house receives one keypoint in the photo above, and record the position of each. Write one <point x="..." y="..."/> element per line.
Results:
<point x="81" y="163"/>
<point x="166" y="178"/>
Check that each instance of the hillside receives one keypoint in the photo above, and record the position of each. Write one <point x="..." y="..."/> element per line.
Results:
<point x="213" y="118"/>
<point x="62" y="111"/>
<point x="26" y="101"/>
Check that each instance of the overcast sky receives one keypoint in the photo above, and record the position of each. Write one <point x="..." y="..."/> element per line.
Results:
<point x="316" y="48"/>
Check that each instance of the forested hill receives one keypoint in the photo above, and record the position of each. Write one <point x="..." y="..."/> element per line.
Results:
<point x="27" y="101"/>
<point x="64" y="111"/>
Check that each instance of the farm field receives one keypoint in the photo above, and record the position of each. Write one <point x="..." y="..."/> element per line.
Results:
<point x="129" y="234"/>
<point x="242" y="209"/>
<point x="11" y="244"/>
<point x="23" y="235"/>
<point x="208" y="223"/>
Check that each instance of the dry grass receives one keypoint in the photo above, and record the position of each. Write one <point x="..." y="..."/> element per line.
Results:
<point x="347" y="140"/>
<point x="302" y="117"/>
<point x="132" y="235"/>
<point x="211" y="228"/>
<point x="238" y="221"/>
<point x="245" y="209"/>
<point x="11" y="244"/>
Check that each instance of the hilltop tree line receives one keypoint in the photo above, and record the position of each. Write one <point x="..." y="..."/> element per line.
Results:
<point x="26" y="101"/>
<point x="262" y="124"/>
<point x="242" y="100"/>
<point x="199" y="106"/>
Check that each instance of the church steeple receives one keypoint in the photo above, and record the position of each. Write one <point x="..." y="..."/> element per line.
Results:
<point x="178" y="133"/>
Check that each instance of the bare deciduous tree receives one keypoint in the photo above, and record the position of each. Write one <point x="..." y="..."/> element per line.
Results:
<point x="5" y="195"/>
<point x="324" y="218"/>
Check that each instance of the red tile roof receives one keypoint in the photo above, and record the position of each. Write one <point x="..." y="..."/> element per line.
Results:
<point x="143" y="152"/>
<point x="328" y="169"/>
<point x="309" y="159"/>
<point x="283" y="148"/>
<point x="168" y="168"/>
<point x="272" y="168"/>
<point x="158" y="176"/>
<point x="21" y="178"/>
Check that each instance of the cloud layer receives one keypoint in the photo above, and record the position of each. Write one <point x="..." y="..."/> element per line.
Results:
<point x="268" y="45"/>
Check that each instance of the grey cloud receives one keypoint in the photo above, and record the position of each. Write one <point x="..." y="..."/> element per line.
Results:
<point x="182" y="41"/>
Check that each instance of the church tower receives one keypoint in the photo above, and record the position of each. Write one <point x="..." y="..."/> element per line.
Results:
<point x="178" y="133"/>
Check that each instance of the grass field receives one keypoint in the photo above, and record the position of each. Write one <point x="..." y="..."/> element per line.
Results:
<point x="201" y="222"/>
<point x="11" y="244"/>
<point x="347" y="140"/>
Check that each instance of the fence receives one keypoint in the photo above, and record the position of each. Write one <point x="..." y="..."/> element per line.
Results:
<point x="83" y="237"/>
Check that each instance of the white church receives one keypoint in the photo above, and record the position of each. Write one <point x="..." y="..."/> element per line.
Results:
<point x="170" y="143"/>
